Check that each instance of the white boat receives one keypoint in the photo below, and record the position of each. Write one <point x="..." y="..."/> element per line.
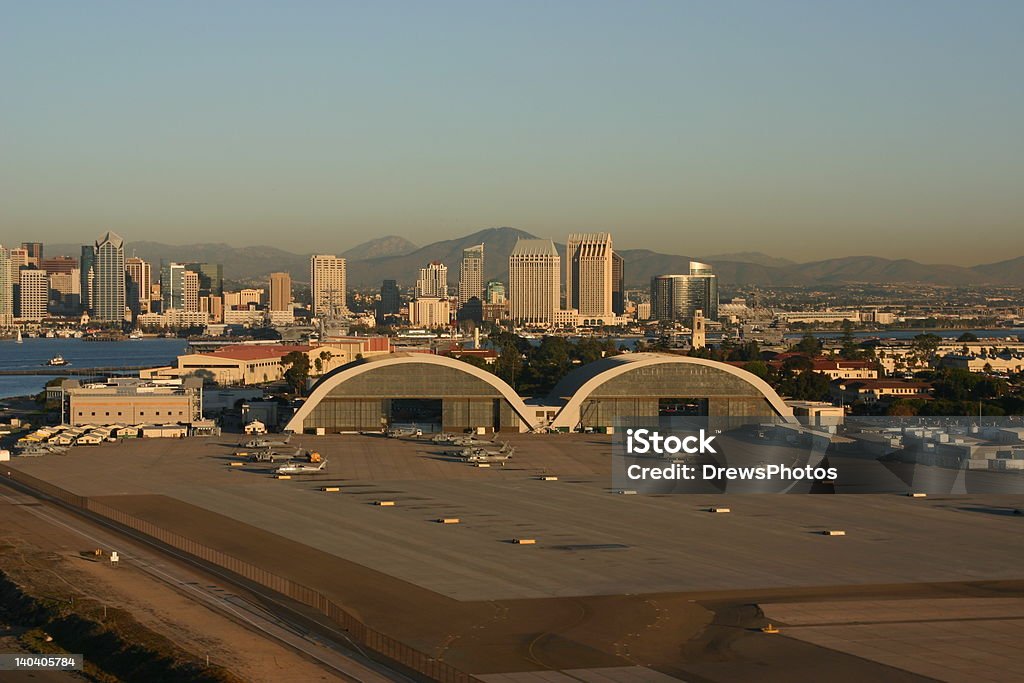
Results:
<point x="135" y="334"/>
<point x="17" y="340"/>
<point x="57" y="360"/>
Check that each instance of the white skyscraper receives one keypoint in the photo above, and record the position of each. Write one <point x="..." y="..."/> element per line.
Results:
<point x="33" y="293"/>
<point x="588" y="274"/>
<point x="327" y="285"/>
<point x="471" y="274"/>
<point x="534" y="286"/>
<point x="433" y="281"/>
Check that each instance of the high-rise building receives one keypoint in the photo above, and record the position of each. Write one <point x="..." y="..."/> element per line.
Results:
<point x="433" y="281"/>
<point x="19" y="257"/>
<point x="390" y="299"/>
<point x="588" y="274"/>
<point x="87" y="273"/>
<point x="327" y="285"/>
<point x="211" y="278"/>
<point x="172" y="286"/>
<point x="34" y="251"/>
<point x="59" y="264"/>
<point x="618" y="285"/>
<point x="471" y="274"/>
<point x="534" y="286"/>
<point x="677" y="298"/>
<point x="33" y="293"/>
<point x="139" y="280"/>
<point x="65" y="292"/>
<point x="495" y="293"/>
<point x="109" y="279"/>
<point x="6" y="288"/>
<point x="190" y="291"/>
<point x="280" y="292"/>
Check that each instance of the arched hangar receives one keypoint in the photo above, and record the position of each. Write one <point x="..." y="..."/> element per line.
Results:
<point x="653" y="384"/>
<point x="414" y="388"/>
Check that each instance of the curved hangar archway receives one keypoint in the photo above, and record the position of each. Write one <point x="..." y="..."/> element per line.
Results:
<point x="365" y="395"/>
<point x="648" y="384"/>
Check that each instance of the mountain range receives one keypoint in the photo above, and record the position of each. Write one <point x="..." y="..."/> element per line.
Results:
<point x="394" y="257"/>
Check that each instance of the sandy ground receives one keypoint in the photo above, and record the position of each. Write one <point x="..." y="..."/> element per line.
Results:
<point x="54" y="555"/>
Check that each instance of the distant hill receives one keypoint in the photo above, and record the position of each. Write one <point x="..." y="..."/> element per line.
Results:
<point x="498" y="244"/>
<point x="393" y="261"/>
<point x="390" y="245"/>
<point x="755" y="257"/>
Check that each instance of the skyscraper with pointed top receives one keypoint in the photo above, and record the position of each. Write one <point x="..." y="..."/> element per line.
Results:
<point x="109" y="278"/>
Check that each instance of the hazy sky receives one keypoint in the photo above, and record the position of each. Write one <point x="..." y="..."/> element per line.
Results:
<point x="801" y="129"/>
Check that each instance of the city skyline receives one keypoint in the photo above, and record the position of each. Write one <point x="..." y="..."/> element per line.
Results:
<point x="700" y="128"/>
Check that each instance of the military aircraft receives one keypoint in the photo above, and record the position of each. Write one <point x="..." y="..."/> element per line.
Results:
<point x="301" y="467"/>
<point x="267" y="443"/>
<point x="481" y="455"/>
<point x="271" y="455"/>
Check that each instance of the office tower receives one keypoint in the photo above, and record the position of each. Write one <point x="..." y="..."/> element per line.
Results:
<point x="34" y="251"/>
<point x="390" y="299"/>
<point x="190" y="291"/>
<point x="618" y="285"/>
<point x="430" y="312"/>
<point x="213" y="306"/>
<point x="211" y="277"/>
<point x="65" y="292"/>
<point x="588" y="274"/>
<point x="108" y="279"/>
<point x="471" y="274"/>
<point x="87" y="273"/>
<point x="139" y="281"/>
<point x="533" y="281"/>
<point x="19" y="258"/>
<point x="59" y="264"/>
<point x="327" y="285"/>
<point x="172" y="286"/>
<point x="676" y="298"/>
<point x="433" y="281"/>
<point x="33" y="293"/>
<point x="6" y="288"/>
<point x="495" y="293"/>
<point x="280" y="292"/>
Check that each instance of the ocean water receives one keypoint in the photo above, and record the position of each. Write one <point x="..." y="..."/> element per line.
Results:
<point x="33" y="354"/>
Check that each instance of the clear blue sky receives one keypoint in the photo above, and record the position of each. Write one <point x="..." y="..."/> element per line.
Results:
<point x="803" y="129"/>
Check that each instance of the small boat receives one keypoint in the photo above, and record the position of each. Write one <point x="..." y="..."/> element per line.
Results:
<point x="57" y="360"/>
<point x="17" y="340"/>
<point x="135" y="334"/>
